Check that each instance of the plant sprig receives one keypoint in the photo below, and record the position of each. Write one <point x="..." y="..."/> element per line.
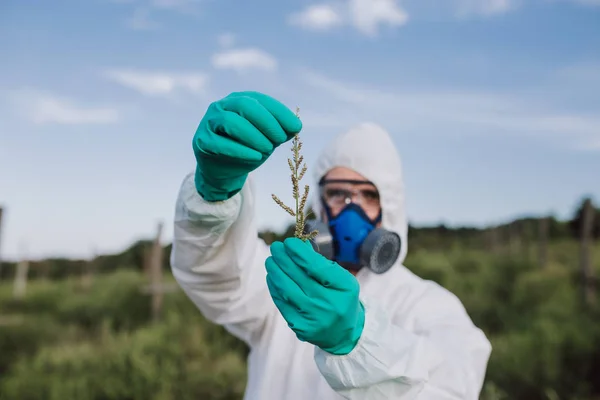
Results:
<point x="298" y="169"/>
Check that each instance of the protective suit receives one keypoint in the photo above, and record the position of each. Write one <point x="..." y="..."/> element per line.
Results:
<point x="417" y="343"/>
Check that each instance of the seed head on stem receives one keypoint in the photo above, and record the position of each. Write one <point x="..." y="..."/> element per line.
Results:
<point x="298" y="169"/>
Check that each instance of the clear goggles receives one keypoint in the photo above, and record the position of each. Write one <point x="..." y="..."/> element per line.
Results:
<point x="337" y="193"/>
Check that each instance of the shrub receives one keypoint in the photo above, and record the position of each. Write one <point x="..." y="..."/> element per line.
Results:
<point x="172" y="360"/>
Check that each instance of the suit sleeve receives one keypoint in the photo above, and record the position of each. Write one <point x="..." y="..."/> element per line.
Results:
<point x="218" y="260"/>
<point x="443" y="357"/>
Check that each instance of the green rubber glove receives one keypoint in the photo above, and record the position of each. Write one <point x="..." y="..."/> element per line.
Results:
<point x="317" y="297"/>
<point x="237" y="135"/>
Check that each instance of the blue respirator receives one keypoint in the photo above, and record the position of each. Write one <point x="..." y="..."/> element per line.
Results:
<point x="352" y="240"/>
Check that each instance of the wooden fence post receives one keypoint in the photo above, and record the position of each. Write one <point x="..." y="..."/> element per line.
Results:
<point x="587" y="273"/>
<point x="153" y="271"/>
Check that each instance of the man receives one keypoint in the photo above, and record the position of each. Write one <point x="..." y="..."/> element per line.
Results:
<point x="317" y="330"/>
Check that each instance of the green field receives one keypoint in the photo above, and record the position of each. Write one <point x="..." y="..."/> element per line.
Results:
<point x="63" y="342"/>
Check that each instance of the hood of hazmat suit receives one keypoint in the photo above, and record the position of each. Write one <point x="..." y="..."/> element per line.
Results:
<point x="418" y="341"/>
<point x="370" y="151"/>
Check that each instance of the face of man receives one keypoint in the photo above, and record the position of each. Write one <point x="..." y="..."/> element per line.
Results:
<point x="342" y="186"/>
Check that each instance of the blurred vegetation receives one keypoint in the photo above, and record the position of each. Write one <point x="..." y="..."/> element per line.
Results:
<point x="64" y="340"/>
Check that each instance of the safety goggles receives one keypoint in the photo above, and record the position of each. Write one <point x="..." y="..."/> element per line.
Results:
<point x="337" y="193"/>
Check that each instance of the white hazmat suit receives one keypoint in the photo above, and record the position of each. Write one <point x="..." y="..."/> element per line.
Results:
<point x="418" y="341"/>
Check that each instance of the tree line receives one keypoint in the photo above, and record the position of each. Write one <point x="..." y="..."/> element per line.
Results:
<point x="514" y="233"/>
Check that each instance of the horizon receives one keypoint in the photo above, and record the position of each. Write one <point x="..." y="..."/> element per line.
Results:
<point x="493" y="106"/>
<point x="452" y="227"/>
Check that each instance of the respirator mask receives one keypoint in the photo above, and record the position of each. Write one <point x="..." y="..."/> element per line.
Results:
<point x="351" y="238"/>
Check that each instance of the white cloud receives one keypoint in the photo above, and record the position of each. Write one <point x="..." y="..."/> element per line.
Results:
<point x="485" y="7"/>
<point x="460" y="112"/>
<point x="317" y="17"/>
<point x="141" y="21"/>
<point x="241" y="60"/>
<point x="159" y="83"/>
<point x="143" y="11"/>
<point x="364" y="15"/>
<point x="44" y="108"/>
<point x="226" y="39"/>
<point x="367" y="15"/>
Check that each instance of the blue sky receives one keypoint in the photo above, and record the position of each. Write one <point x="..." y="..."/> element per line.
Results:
<point x="494" y="105"/>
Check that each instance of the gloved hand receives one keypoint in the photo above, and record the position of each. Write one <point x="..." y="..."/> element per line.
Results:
<point x="237" y="135"/>
<point x="317" y="297"/>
